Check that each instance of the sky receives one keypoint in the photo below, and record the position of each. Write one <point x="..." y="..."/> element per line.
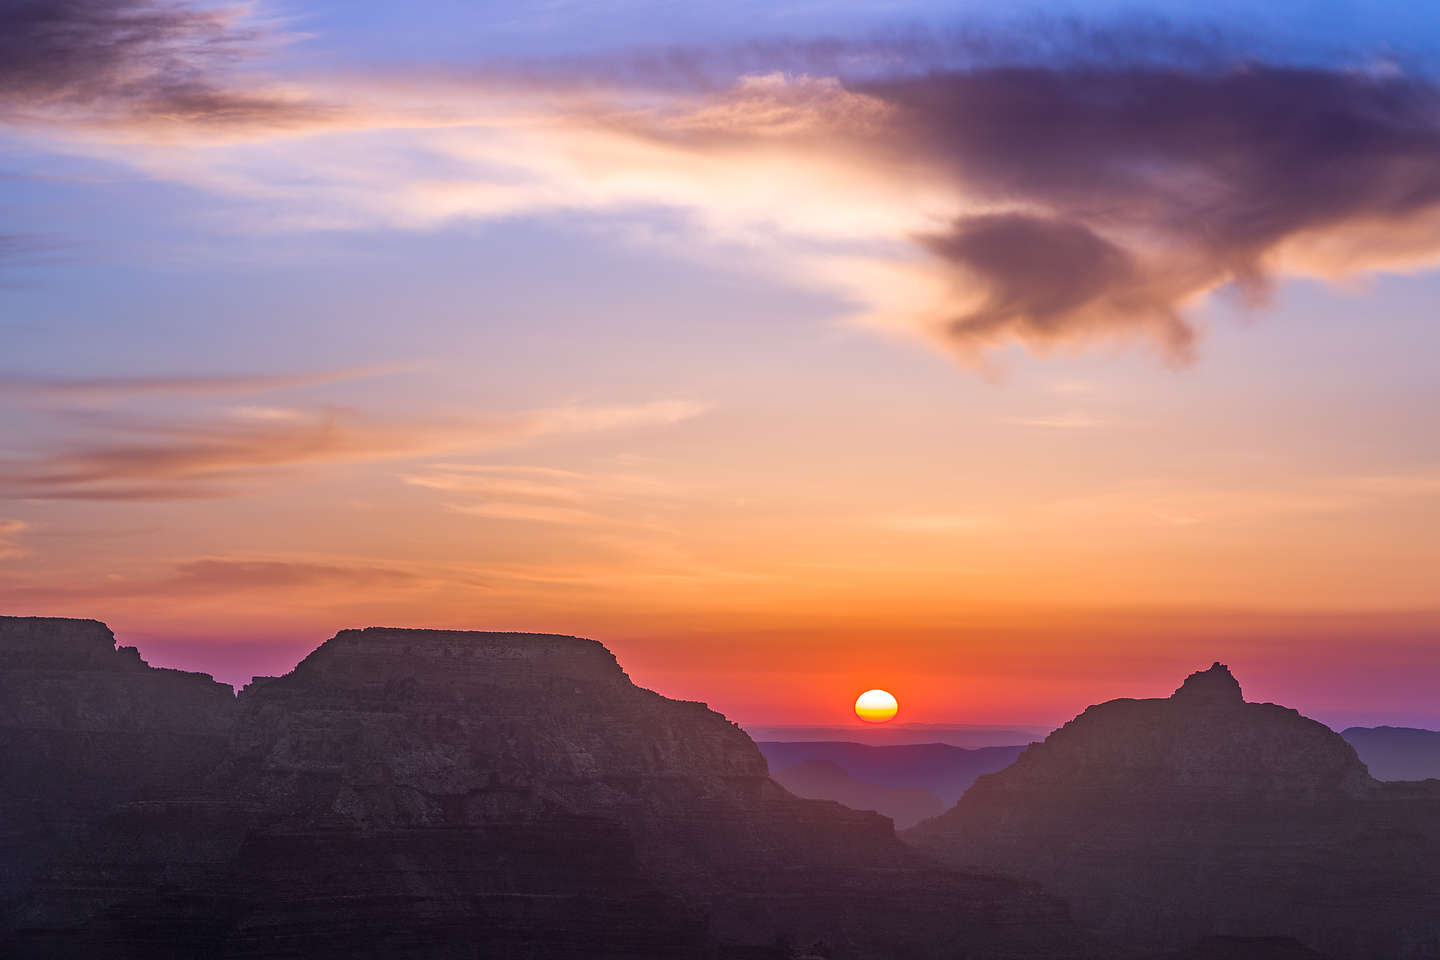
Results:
<point x="1008" y="361"/>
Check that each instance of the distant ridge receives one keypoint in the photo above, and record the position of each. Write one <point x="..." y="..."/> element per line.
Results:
<point x="938" y="768"/>
<point x="826" y="780"/>
<point x="969" y="736"/>
<point x="1397" y="753"/>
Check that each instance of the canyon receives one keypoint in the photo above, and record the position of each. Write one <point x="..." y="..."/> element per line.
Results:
<point x="440" y="794"/>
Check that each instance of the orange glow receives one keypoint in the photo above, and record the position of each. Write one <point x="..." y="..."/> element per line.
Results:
<point x="876" y="706"/>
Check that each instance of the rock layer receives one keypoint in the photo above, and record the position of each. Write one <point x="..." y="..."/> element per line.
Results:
<point x="446" y="794"/>
<point x="1168" y="820"/>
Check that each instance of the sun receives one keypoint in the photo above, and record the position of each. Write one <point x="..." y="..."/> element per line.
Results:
<point x="875" y="706"/>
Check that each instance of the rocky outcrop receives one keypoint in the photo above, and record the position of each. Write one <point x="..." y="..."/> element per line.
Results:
<point x="1166" y="821"/>
<point x="441" y="794"/>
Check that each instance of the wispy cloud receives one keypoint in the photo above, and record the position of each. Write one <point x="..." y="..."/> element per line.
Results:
<point x="545" y="495"/>
<point x="92" y="389"/>
<point x="9" y="531"/>
<point x="224" y="578"/>
<point x="1074" y="420"/>
<point x="935" y="523"/>
<point x="529" y="512"/>
<point x="178" y="459"/>
<point x="1181" y="504"/>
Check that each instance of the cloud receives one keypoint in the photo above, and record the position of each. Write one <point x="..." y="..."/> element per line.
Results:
<point x="9" y="530"/>
<point x="543" y="494"/>
<point x="975" y="191"/>
<point x="136" y="61"/>
<point x="224" y="575"/>
<point x="1037" y="278"/>
<point x="217" y="457"/>
<point x="27" y="249"/>
<point x="1074" y="420"/>
<point x="93" y="389"/>
<point x="1177" y="504"/>
<point x="529" y="512"/>
<point x="935" y="523"/>
<point x="300" y="580"/>
<point x="1133" y="191"/>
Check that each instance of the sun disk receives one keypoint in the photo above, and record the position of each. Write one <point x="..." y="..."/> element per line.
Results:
<point x="875" y="706"/>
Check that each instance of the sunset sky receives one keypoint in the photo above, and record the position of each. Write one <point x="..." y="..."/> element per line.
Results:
<point x="1008" y="362"/>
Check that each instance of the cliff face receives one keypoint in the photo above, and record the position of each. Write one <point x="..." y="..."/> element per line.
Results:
<point x="1164" y="821"/>
<point x="84" y="727"/>
<point x="442" y="794"/>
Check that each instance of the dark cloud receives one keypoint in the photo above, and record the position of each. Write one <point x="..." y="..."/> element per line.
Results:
<point x="1137" y="189"/>
<point x="131" y="60"/>
<point x="1040" y="277"/>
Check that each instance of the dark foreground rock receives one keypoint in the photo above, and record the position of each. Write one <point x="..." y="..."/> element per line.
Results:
<point x="433" y="794"/>
<point x="85" y="727"/>
<point x="1166" y="821"/>
<point x="1245" y="948"/>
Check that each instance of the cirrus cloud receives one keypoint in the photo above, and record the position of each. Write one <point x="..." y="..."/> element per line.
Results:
<point x="175" y="459"/>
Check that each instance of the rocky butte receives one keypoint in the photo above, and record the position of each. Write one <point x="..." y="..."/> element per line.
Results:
<point x="1165" y="822"/>
<point x="432" y="794"/>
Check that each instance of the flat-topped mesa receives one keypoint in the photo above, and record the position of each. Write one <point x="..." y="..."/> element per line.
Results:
<point x="512" y="707"/>
<point x="1165" y="820"/>
<point x="378" y="654"/>
<point x="1216" y="687"/>
<point x="56" y="642"/>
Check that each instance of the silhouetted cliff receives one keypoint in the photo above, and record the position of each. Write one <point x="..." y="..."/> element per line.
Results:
<point x="1164" y="821"/>
<point x="84" y="727"/>
<point x="444" y="794"/>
